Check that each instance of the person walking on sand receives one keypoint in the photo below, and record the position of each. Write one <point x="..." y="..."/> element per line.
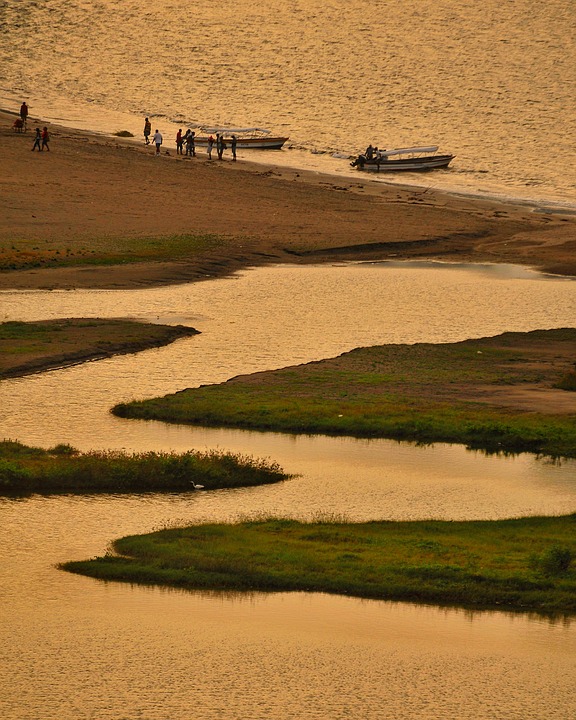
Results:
<point x="24" y="113"/>
<point x="233" y="147"/>
<point x="157" y="140"/>
<point x="37" y="141"/>
<point x="220" y="145"/>
<point x="179" y="142"/>
<point x="210" y="146"/>
<point x="45" y="139"/>
<point x="147" y="131"/>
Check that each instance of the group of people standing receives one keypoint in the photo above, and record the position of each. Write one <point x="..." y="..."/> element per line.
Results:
<point x="186" y="143"/>
<point x="41" y="137"/>
<point x="220" y="145"/>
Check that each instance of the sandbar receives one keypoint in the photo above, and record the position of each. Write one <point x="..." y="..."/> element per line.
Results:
<point x="91" y="186"/>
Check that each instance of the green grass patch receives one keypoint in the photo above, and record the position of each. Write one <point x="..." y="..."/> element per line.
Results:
<point x="520" y="564"/>
<point x="28" y="470"/>
<point x="458" y="393"/>
<point x="24" y="253"/>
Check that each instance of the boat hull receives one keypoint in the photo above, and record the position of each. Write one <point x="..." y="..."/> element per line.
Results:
<point x="265" y="143"/>
<point x="431" y="162"/>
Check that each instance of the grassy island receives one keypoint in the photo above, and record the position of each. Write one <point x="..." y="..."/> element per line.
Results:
<point x="518" y="564"/>
<point x="28" y="470"/>
<point x="29" y="347"/>
<point x="511" y="393"/>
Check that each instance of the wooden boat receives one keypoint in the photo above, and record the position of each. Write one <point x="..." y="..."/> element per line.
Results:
<point x="411" y="158"/>
<point x="246" y="138"/>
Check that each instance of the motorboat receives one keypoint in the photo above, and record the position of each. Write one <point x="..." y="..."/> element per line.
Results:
<point x="246" y="138"/>
<point x="410" y="158"/>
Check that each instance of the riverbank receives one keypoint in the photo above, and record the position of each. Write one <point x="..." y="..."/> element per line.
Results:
<point x="27" y="348"/>
<point x="509" y="393"/>
<point x="99" y="211"/>
<point x="519" y="564"/>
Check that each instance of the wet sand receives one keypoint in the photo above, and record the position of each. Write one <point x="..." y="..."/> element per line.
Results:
<point x="91" y="186"/>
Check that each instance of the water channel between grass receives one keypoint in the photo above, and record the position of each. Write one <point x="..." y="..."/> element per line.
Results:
<point x="417" y="660"/>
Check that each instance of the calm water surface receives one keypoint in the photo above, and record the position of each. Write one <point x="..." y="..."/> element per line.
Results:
<point x="492" y="82"/>
<point x="74" y="648"/>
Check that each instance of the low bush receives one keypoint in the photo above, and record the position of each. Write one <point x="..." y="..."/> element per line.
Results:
<point x="555" y="561"/>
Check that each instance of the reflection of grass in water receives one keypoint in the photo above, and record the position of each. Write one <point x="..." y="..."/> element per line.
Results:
<point x="25" y="470"/>
<point x="21" y="254"/>
<point x="421" y="392"/>
<point x="503" y="563"/>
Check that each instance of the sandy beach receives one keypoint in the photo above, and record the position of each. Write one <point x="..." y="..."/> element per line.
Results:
<point x="91" y="186"/>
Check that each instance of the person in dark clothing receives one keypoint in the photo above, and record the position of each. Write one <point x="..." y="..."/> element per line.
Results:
<point x="37" y="140"/>
<point x="24" y="113"/>
<point x="147" y="131"/>
<point x="220" y="145"/>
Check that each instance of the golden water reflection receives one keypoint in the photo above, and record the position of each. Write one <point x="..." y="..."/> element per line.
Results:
<point x="71" y="647"/>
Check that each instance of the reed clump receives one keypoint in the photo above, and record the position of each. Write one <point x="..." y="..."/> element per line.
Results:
<point x="28" y="470"/>
<point x="519" y="564"/>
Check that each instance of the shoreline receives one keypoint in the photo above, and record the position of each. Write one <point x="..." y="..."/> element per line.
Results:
<point x="37" y="347"/>
<point x="93" y="186"/>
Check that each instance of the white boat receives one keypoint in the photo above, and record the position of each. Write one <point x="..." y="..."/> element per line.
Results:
<point x="246" y="138"/>
<point x="411" y="158"/>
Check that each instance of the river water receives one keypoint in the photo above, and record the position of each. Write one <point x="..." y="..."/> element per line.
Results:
<point x="492" y="82"/>
<point x="71" y="647"/>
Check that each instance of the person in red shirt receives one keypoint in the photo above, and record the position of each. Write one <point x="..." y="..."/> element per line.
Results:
<point x="179" y="142"/>
<point x="45" y="139"/>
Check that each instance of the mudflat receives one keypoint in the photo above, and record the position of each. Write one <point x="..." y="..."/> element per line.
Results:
<point x="66" y="212"/>
<point x="27" y="348"/>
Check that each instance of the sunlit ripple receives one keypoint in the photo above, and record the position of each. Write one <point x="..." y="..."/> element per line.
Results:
<point x="492" y="82"/>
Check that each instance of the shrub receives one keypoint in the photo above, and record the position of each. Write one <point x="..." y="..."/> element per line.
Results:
<point x="555" y="561"/>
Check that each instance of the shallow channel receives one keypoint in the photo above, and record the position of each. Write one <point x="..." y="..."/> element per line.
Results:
<point x="76" y="648"/>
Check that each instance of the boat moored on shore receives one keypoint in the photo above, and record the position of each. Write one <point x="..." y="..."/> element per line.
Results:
<point x="410" y="158"/>
<point x="246" y="138"/>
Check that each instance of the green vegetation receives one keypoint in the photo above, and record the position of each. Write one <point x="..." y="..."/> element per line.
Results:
<point x="521" y="564"/>
<point x="123" y="133"/>
<point x="485" y="393"/>
<point x="62" y="469"/>
<point x="22" y="254"/>
<point x="34" y="346"/>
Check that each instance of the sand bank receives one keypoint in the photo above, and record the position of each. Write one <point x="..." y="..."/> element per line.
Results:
<point x="91" y="186"/>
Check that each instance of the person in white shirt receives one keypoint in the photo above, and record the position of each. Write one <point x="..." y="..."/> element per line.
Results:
<point x="157" y="141"/>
